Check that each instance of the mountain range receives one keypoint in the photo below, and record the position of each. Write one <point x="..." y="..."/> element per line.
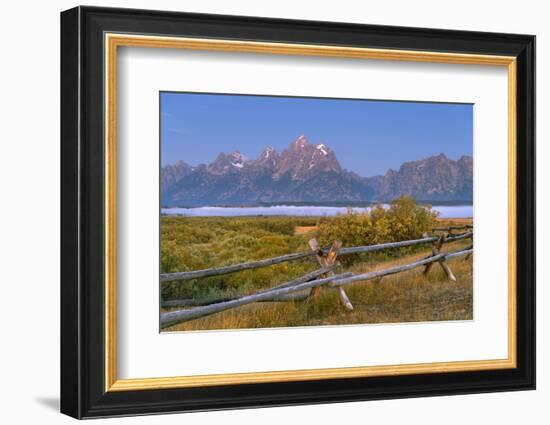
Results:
<point x="306" y="172"/>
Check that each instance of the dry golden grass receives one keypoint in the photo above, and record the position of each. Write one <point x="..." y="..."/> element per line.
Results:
<point x="405" y="297"/>
<point x="300" y="230"/>
<point x="455" y="221"/>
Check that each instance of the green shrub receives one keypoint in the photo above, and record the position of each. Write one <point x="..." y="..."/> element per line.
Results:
<point x="193" y="243"/>
<point x="403" y="219"/>
<point x="169" y="257"/>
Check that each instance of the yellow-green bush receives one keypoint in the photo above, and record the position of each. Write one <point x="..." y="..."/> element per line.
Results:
<point x="403" y="219"/>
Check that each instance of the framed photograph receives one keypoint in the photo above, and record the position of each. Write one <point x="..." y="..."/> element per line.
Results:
<point x="261" y="212"/>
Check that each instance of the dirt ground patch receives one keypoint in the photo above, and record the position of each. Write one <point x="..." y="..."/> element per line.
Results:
<point x="300" y="230"/>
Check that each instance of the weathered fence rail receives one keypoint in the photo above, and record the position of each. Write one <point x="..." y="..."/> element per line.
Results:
<point x="313" y="281"/>
<point x="196" y="274"/>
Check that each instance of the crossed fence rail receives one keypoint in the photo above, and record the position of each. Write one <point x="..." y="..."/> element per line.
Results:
<point x="315" y="280"/>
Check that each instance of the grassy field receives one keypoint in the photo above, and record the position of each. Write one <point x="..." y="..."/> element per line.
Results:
<point x="190" y="243"/>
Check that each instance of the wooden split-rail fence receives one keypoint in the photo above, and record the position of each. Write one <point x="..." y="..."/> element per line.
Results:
<point x="312" y="282"/>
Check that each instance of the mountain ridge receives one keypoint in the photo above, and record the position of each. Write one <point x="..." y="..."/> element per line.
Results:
<point x="306" y="172"/>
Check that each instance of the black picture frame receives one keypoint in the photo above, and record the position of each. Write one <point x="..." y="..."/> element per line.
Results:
<point x="83" y="392"/>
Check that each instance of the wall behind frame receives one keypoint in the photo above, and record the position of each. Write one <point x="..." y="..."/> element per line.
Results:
<point x="29" y="217"/>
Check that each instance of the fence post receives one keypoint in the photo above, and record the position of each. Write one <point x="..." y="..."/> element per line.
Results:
<point x="436" y="248"/>
<point x="468" y="256"/>
<point x="329" y="262"/>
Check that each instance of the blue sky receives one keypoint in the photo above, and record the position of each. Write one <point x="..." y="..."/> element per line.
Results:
<point x="368" y="136"/>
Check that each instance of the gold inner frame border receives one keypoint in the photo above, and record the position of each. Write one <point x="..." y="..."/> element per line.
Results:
<point x="113" y="40"/>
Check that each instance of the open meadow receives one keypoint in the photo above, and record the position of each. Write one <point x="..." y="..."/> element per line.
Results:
<point x="193" y="243"/>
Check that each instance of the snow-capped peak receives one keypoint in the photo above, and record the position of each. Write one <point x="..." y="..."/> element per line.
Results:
<point x="268" y="152"/>
<point x="238" y="155"/>
<point x="238" y="159"/>
<point x="323" y="148"/>
<point x="301" y="141"/>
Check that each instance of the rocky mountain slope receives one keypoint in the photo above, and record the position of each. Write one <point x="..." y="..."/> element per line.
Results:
<point x="436" y="178"/>
<point x="307" y="172"/>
